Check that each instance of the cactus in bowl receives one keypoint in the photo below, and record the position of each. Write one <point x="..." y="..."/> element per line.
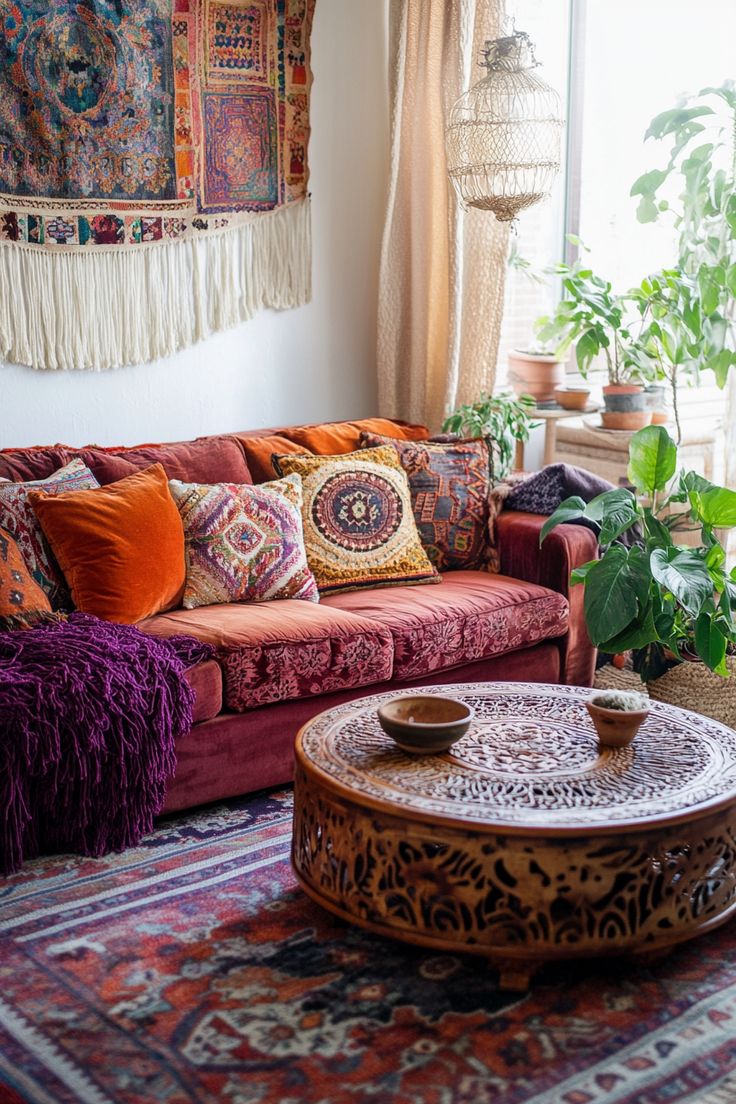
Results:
<point x="617" y="715"/>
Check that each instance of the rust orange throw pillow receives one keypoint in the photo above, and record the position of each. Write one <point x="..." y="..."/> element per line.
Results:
<point x="259" y="450"/>
<point x="337" y="438"/>
<point x="121" y="547"/>
<point x="19" y="593"/>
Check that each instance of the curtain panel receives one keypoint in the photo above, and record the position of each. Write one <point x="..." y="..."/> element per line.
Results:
<point x="442" y="269"/>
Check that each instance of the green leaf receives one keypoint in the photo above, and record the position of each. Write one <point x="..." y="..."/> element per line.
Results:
<point x="569" y="510"/>
<point x="612" y="591"/>
<point x="710" y="643"/>
<point x="647" y="210"/>
<point x="615" y="511"/>
<point x="579" y="574"/>
<point x="588" y="346"/>
<point x="720" y="364"/>
<point x="717" y="507"/>
<point x="647" y="184"/>
<point x="652" y="459"/>
<point x="668" y="122"/>
<point x="637" y="635"/>
<point x="709" y="287"/>
<point x="683" y="573"/>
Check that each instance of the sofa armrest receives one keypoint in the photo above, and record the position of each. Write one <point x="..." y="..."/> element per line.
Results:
<point x="566" y="547"/>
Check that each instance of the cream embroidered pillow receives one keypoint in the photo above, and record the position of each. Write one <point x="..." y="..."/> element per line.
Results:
<point x="359" y="527"/>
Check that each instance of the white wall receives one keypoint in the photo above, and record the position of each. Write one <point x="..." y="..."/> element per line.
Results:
<point x="311" y="364"/>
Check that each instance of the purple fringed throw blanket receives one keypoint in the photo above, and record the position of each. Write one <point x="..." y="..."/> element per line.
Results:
<point x="89" y="715"/>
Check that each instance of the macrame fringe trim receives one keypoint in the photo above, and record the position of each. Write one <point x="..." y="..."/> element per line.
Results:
<point x="109" y="309"/>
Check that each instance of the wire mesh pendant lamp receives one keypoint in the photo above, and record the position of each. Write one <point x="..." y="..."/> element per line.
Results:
<point x="504" y="134"/>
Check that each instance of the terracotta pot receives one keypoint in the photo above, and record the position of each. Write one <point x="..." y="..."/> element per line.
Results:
<point x="572" y="398"/>
<point x="633" y="419"/>
<point x="616" y="727"/>
<point x="660" y="417"/>
<point x="536" y="374"/>
<point x="622" y="388"/>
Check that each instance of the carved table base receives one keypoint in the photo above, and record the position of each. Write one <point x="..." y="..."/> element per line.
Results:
<point x="420" y="860"/>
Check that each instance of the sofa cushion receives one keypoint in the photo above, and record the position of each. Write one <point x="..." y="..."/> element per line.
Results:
<point x="205" y="680"/>
<point x="20" y="595"/>
<point x="359" y="528"/>
<point x="218" y="459"/>
<point x="472" y="616"/>
<point x="22" y="465"/>
<point x="243" y="543"/>
<point x="450" y="483"/>
<point x="277" y="651"/>
<point x="121" y="547"/>
<point x="335" y="438"/>
<point x="19" y="519"/>
<point x="259" y="450"/>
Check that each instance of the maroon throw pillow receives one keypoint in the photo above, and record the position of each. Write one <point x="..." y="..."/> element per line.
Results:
<point x="449" y="484"/>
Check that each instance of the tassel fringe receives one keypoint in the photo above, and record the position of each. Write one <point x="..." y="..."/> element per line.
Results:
<point x="109" y="309"/>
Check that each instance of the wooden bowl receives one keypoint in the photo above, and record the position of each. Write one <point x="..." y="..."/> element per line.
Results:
<point x="616" y="727"/>
<point x="572" y="398"/>
<point x="424" y="724"/>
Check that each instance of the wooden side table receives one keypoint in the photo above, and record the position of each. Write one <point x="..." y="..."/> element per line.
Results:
<point x="550" y="416"/>
<point x="605" y="452"/>
<point x="525" y="842"/>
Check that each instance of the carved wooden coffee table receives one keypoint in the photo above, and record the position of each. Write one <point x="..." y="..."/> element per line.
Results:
<point x="524" y="842"/>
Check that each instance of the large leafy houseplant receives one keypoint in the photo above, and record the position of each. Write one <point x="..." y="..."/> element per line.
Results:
<point x="689" y="310"/>
<point x="656" y="596"/>
<point x="502" y="420"/>
<point x="593" y="317"/>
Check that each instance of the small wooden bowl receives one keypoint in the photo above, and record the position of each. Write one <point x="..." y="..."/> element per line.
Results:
<point x="425" y="724"/>
<point x="572" y="398"/>
<point x="616" y="727"/>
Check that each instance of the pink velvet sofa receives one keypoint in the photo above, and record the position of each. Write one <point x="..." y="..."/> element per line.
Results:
<point x="280" y="663"/>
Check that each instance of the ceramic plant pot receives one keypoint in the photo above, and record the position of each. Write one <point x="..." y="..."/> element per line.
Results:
<point x="536" y="374"/>
<point x="625" y="398"/>
<point x="616" y="727"/>
<point x="632" y="419"/>
<point x="425" y="724"/>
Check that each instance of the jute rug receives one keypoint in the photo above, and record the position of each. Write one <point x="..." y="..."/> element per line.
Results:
<point x="193" y="968"/>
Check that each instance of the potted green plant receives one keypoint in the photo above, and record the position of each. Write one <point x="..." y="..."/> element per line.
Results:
<point x="537" y="371"/>
<point x="594" y="318"/>
<point x="502" y="419"/>
<point x="673" y="605"/>
<point x="690" y="309"/>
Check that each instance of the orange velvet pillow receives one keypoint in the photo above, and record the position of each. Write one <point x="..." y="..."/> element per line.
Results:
<point x="121" y="547"/>
<point x="258" y="453"/>
<point x="20" y="595"/>
<point x="336" y="438"/>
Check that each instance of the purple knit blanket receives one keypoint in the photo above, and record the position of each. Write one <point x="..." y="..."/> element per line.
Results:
<point x="89" y="716"/>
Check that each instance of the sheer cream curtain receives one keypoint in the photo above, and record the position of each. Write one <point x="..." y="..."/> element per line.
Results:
<point x="442" y="270"/>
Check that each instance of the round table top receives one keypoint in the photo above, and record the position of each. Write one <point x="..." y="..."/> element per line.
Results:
<point x="530" y="760"/>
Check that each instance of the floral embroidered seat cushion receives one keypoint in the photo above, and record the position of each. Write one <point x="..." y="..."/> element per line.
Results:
<point x="450" y="484"/>
<point x="243" y="543"/>
<point x="19" y="519"/>
<point x="19" y="594"/>
<point x="359" y="527"/>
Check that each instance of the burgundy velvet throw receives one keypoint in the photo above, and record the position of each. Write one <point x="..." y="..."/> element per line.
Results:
<point x="89" y="715"/>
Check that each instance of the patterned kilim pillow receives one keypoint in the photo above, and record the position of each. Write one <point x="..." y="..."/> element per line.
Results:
<point x="243" y="543"/>
<point x="18" y="517"/>
<point x="359" y="528"/>
<point x="19" y="594"/>
<point x="450" y="484"/>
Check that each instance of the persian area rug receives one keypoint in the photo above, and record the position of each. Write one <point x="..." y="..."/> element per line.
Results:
<point x="153" y="173"/>
<point x="193" y="968"/>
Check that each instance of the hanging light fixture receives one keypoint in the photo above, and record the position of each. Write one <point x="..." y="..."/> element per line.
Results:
<point x="504" y="133"/>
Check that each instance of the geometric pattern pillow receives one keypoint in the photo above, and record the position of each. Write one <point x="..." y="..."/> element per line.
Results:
<point x="18" y="518"/>
<point x="359" y="529"/>
<point x="19" y="594"/>
<point x="450" y="484"/>
<point x="243" y="543"/>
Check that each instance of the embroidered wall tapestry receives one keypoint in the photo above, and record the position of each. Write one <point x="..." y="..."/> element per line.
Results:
<point x="153" y="173"/>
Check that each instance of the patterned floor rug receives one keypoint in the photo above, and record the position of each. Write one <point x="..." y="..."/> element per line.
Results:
<point x="193" y="968"/>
